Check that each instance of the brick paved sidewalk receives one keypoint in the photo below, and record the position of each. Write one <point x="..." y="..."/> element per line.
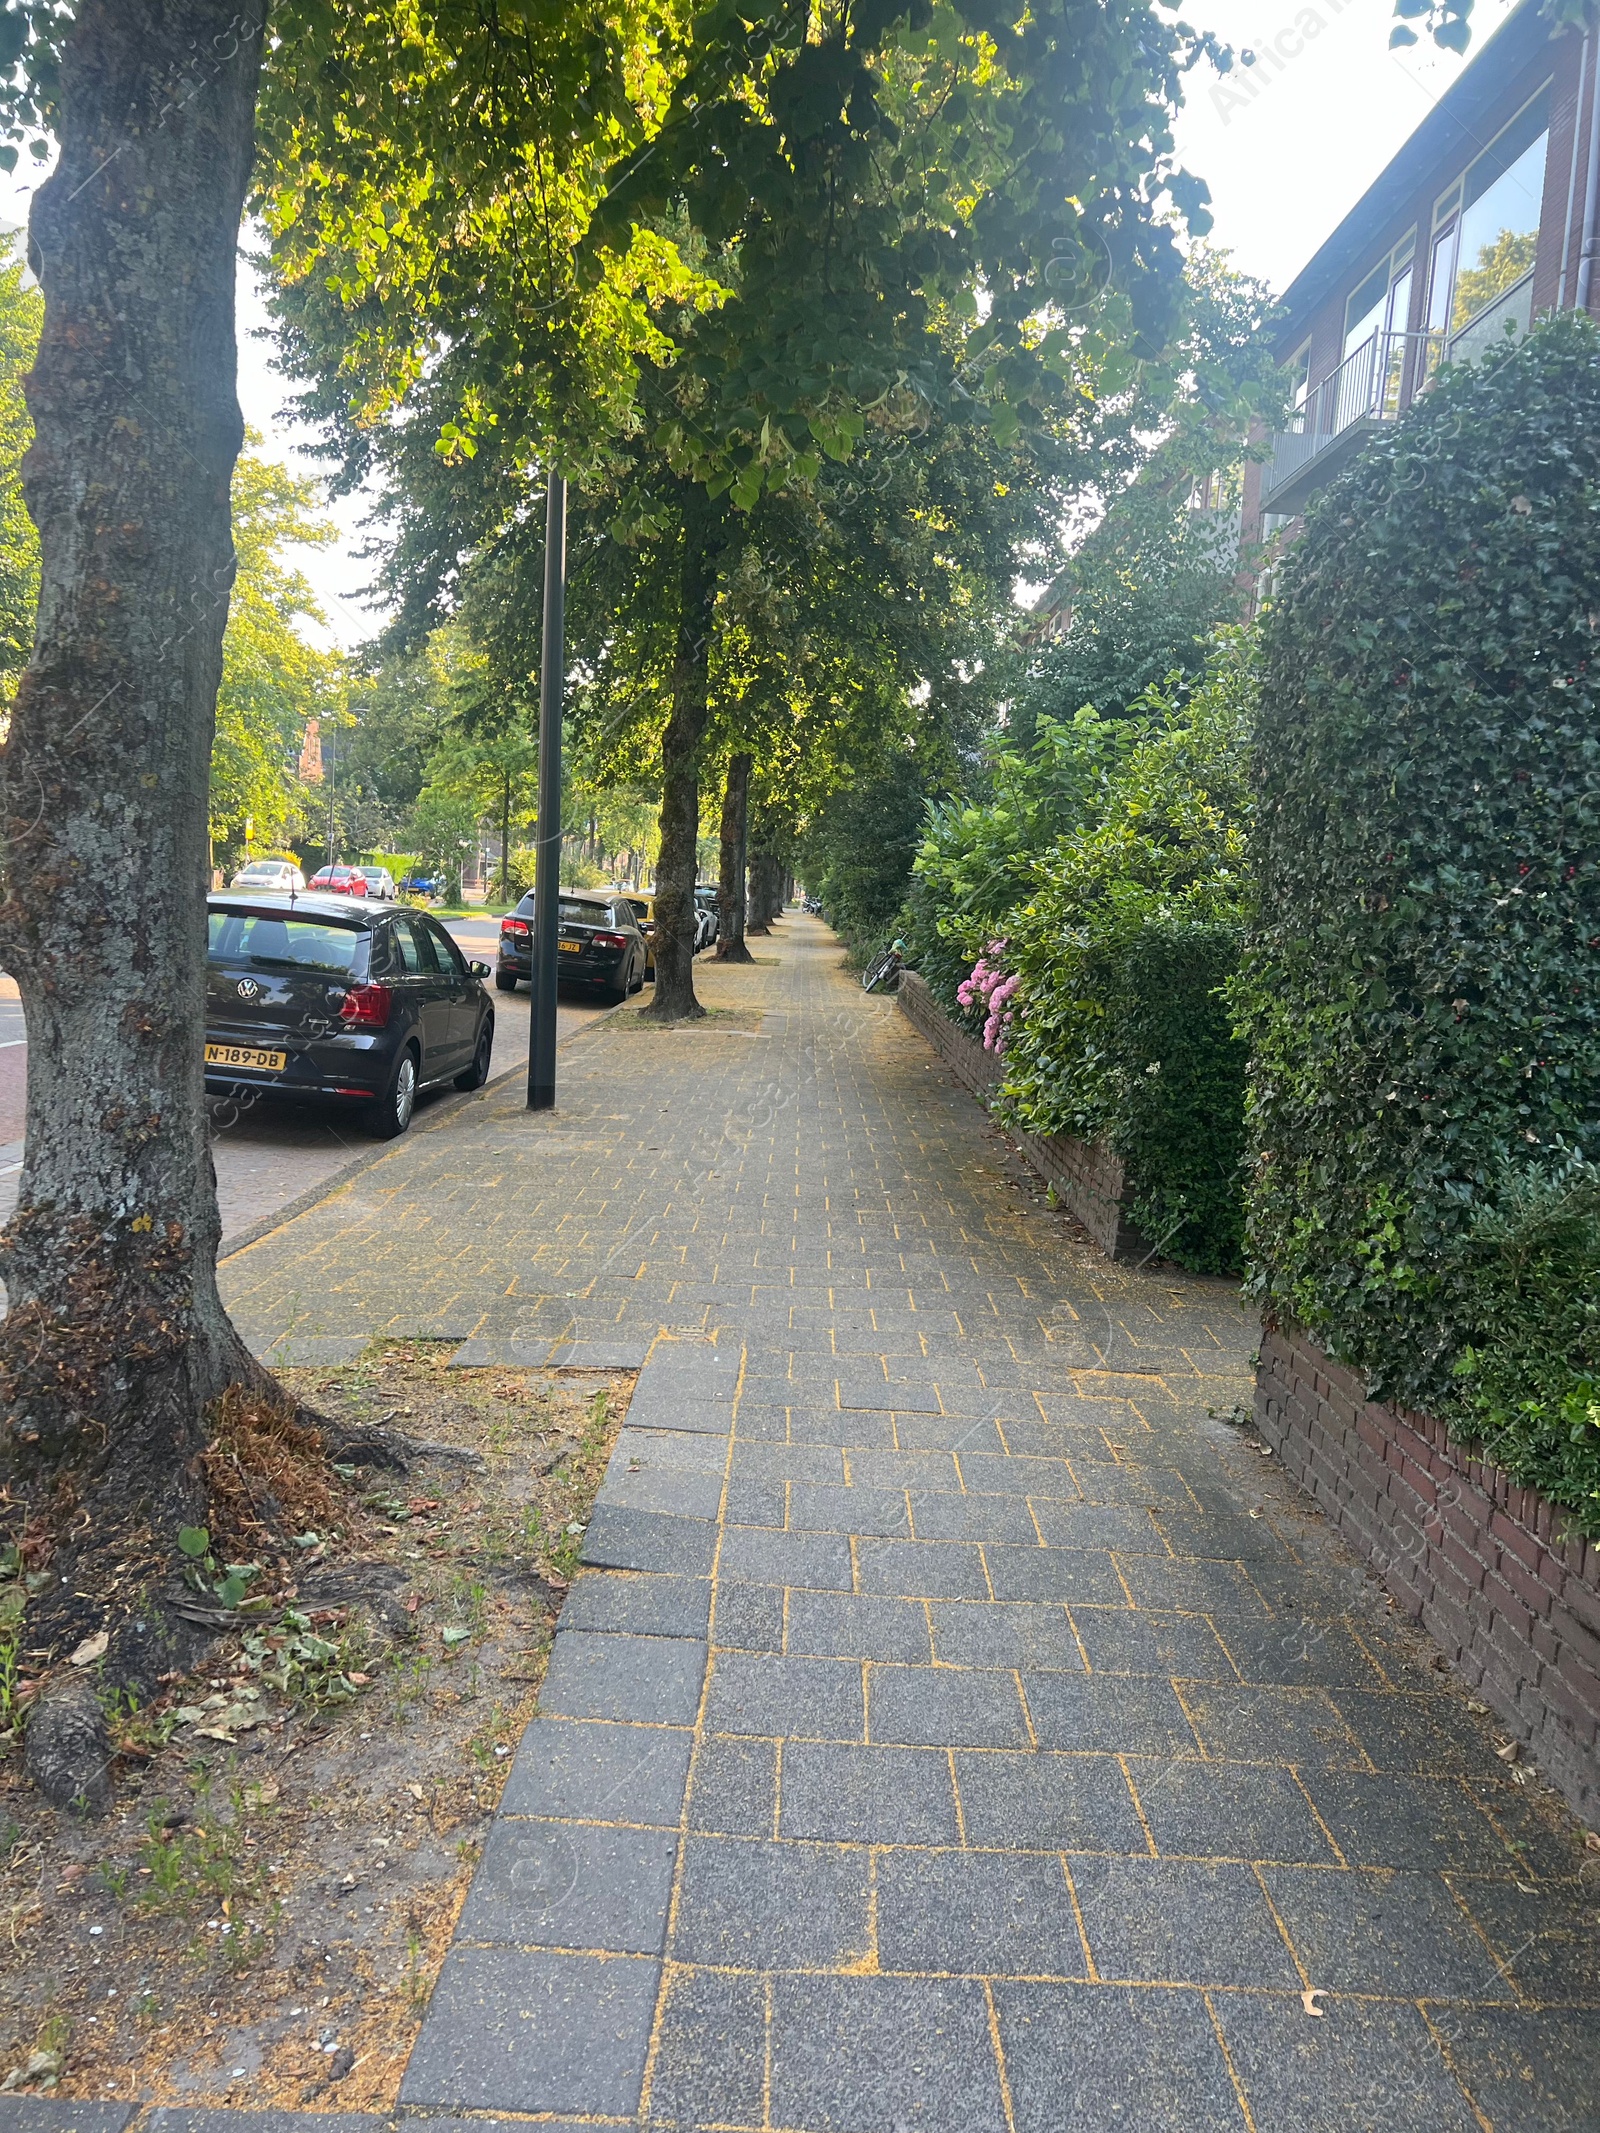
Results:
<point x="958" y="1727"/>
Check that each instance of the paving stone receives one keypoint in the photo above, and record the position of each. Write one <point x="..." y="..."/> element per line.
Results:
<point x="746" y="1904"/>
<point x="677" y="1491"/>
<point x="1073" y="1575"/>
<point x="1362" y="2065"/>
<point x="1299" y="1650"/>
<point x="938" y="1707"/>
<point x="867" y="1795"/>
<point x="749" y="1618"/>
<point x="1019" y="1633"/>
<point x="1181" y="1922"/>
<point x="1104" y="1712"/>
<point x="1093" y="2058"/>
<point x="1051" y="1480"/>
<point x="1124" y="1527"/>
<point x="881" y="1397"/>
<point x="847" y="1510"/>
<point x="571" y="1885"/>
<point x="623" y="1539"/>
<point x="941" y="1515"/>
<point x="599" y="1355"/>
<point x="815" y="1699"/>
<point x="1227" y="1811"/>
<point x="1528" y="2073"/>
<point x="979" y="1914"/>
<point x="604" y="1772"/>
<point x="1155" y="1488"/>
<point x="903" y="1470"/>
<point x="922" y="1569"/>
<point x="789" y="1462"/>
<point x="755" y="1503"/>
<point x="1122" y="1641"/>
<point x="1367" y="1930"/>
<point x="711" y="2053"/>
<point x="654" y="1680"/>
<point x="1547" y="1938"/>
<point x="735" y="1789"/>
<point x="1177" y="1587"/>
<point x="850" y="1429"/>
<point x="1248" y="1725"/>
<point x="858" y="1626"/>
<point x="651" y="1449"/>
<point x="18" y="2115"/>
<point x="756" y="1555"/>
<point x="510" y="2029"/>
<point x="1433" y="1736"/>
<point x="63" y="2114"/>
<point x="638" y="1603"/>
<point x="1412" y="1822"/>
<point x="1036" y="1800"/>
<point x="955" y="1434"/>
<point x="862" y="2054"/>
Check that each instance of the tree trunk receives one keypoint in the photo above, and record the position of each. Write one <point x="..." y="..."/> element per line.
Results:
<point x="730" y="885"/>
<point x="116" y="1343"/>
<point x="505" y="838"/>
<point x="760" y="918"/>
<point x="681" y="747"/>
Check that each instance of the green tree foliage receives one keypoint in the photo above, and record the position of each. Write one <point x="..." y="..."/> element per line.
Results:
<point x="1423" y="987"/>
<point x="21" y="315"/>
<point x="1121" y="1026"/>
<point x="273" y="679"/>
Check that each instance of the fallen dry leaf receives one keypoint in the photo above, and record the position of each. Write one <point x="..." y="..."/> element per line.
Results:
<point x="1308" y="2000"/>
<point x="91" y="1649"/>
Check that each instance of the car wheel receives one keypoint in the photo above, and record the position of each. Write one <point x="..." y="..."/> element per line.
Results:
<point x="503" y="982"/>
<point x="478" y="1073"/>
<point x="391" y="1114"/>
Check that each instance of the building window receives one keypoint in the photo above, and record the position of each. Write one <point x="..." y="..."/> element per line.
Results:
<point x="1487" y="229"/>
<point x="1383" y="301"/>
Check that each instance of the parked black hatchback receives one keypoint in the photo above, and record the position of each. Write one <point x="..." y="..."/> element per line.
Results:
<point x="599" y="944"/>
<point x="323" y="997"/>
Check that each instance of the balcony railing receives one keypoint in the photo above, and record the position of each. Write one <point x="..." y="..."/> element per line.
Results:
<point x="1372" y="384"/>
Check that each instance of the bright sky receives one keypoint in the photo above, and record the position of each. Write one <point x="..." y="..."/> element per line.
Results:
<point x="1287" y="147"/>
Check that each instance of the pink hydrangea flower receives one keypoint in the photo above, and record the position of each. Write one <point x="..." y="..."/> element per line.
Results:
<point x="992" y="988"/>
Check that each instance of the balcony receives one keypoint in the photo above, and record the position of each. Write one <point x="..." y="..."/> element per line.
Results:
<point x="1373" y="385"/>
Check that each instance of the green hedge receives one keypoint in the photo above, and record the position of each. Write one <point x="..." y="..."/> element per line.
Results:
<point x="1122" y="1027"/>
<point x="1422" y="990"/>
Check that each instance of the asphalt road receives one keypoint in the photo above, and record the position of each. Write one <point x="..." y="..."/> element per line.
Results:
<point x="271" y="1154"/>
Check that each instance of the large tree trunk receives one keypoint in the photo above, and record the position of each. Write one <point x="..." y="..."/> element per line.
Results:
<point x="116" y="1342"/>
<point x="762" y="868"/>
<point x="730" y="884"/>
<point x="681" y="748"/>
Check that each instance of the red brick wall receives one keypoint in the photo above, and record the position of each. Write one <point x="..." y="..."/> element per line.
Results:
<point x="1087" y="1177"/>
<point x="1476" y="1559"/>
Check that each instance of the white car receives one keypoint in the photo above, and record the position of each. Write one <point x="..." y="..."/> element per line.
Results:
<point x="278" y="875"/>
<point x="380" y="882"/>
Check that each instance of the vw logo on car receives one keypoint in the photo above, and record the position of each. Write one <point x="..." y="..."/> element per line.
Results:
<point x="248" y="989"/>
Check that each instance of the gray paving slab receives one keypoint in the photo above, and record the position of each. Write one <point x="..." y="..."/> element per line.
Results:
<point x="64" y="2114"/>
<point x="1019" y="1653"/>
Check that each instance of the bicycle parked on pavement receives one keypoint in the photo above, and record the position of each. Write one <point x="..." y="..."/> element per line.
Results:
<point x="882" y="974"/>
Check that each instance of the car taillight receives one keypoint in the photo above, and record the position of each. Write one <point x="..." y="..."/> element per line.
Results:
<point x="515" y="926"/>
<point x="366" y="1007"/>
<point x="610" y="940"/>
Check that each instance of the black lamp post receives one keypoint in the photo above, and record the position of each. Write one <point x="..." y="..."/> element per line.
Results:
<point x="547" y="844"/>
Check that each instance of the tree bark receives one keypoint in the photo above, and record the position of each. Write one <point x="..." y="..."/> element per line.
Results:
<point x="731" y="882"/>
<point x="681" y="748"/>
<point x="763" y="868"/>
<point x="116" y="1342"/>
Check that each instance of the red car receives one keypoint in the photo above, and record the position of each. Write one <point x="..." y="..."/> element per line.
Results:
<point x="340" y="881"/>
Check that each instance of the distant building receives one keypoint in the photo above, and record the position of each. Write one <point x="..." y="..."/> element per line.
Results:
<point x="311" y="752"/>
<point x="1488" y="218"/>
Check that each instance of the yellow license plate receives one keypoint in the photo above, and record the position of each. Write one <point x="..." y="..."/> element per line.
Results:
<point x="244" y="1055"/>
<point x="571" y="947"/>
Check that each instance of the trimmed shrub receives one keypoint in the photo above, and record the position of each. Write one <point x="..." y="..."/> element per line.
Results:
<point x="1121" y="1027"/>
<point x="1422" y="988"/>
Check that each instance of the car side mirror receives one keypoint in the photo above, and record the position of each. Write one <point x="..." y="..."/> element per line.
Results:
<point x="478" y="970"/>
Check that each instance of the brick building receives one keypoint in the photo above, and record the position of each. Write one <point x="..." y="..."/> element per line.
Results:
<point x="1488" y="218"/>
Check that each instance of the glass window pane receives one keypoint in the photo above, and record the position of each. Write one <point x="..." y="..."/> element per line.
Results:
<point x="1363" y="314"/>
<point x="1500" y="221"/>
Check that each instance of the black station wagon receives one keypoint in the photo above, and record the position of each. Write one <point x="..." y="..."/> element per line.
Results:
<point x="360" y="1004"/>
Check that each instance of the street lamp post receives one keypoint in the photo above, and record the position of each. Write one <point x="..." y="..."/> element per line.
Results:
<point x="547" y="841"/>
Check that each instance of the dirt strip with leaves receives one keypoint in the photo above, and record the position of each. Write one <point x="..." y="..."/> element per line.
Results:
<point x="259" y="1918"/>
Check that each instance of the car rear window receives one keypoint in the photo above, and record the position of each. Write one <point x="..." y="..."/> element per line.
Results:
<point x="309" y="943"/>
<point x="578" y="913"/>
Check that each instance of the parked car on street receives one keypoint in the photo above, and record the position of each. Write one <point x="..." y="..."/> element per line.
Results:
<point x="339" y="881"/>
<point x="599" y="943"/>
<point x="421" y="885"/>
<point x="379" y="881"/>
<point x="708" y="918"/>
<point x="644" y="911"/>
<point x="314" y="997"/>
<point x="281" y="874"/>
